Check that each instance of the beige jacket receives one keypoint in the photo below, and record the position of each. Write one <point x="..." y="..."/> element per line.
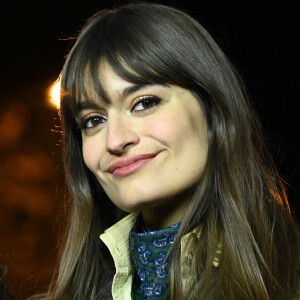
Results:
<point x="116" y="238"/>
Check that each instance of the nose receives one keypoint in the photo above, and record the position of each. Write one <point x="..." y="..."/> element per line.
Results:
<point x="121" y="134"/>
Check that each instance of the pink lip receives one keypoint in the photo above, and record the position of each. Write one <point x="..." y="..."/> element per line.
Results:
<point x="130" y="165"/>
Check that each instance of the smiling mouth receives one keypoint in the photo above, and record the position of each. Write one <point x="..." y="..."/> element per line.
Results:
<point x="130" y="165"/>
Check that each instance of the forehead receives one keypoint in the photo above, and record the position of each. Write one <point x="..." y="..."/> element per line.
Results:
<point x="105" y="86"/>
<point x="103" y="82"/>
<point x="91" y="84"/>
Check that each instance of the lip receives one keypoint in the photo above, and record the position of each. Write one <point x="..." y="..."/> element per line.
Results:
<point x="130" y="165"/>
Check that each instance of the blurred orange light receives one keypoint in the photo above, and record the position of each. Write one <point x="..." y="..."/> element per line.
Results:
<point x="55" y="93"/>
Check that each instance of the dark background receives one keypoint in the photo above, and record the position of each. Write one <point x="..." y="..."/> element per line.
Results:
<point x="261" y="40"/>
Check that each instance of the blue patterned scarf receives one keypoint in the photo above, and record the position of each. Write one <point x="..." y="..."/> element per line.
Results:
<point x="149" y="251"/>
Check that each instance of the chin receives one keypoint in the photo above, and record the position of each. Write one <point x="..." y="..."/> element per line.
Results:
<point x="139" y="201"/>
<point x="139" y="205"/>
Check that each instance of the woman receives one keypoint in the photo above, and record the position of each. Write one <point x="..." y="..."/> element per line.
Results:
<point x="165" y="161"/>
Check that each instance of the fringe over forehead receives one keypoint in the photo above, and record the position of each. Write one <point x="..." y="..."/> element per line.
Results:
<point x="143" y="43"/>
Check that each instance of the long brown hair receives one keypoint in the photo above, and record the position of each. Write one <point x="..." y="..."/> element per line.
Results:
<point x="240" y="200"/>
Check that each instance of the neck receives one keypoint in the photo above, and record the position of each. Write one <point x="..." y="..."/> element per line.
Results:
<point x="164" y="216"/>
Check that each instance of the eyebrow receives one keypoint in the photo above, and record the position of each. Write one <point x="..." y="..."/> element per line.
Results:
<point x="134" y="88"/>
<point x="91" y="104"/>
<point x="84" y="105"/>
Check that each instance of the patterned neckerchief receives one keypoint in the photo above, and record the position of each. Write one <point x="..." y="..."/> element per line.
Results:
<point x="149" y="254"/>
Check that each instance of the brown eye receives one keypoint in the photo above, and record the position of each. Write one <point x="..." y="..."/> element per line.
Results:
<point x="146" y="103"/>
<point x="92" y="122"/>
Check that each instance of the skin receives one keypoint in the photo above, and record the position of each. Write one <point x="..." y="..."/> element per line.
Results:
<point x="174" y="128"/>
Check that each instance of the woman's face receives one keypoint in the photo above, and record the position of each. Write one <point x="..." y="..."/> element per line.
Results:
<point x="148" y="146"/>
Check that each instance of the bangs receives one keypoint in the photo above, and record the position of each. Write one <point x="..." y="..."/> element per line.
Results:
<point x="137" y="47"/>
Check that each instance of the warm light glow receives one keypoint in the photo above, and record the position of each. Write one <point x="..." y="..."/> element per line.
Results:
<point x="55" y="93"/>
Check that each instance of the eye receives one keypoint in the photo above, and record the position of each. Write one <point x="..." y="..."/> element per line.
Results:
<point x="91" y="122"/>
<point x="146" y="103"/>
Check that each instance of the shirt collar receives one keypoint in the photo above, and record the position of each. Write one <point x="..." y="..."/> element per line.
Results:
<point x="116" y="238"/>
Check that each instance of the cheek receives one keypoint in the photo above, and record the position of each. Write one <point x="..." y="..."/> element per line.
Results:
<point x="162" y="128"/>
<point x="185" y="135"/>
<point x="174" y="129"/>
<point x="91" y="154"/>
